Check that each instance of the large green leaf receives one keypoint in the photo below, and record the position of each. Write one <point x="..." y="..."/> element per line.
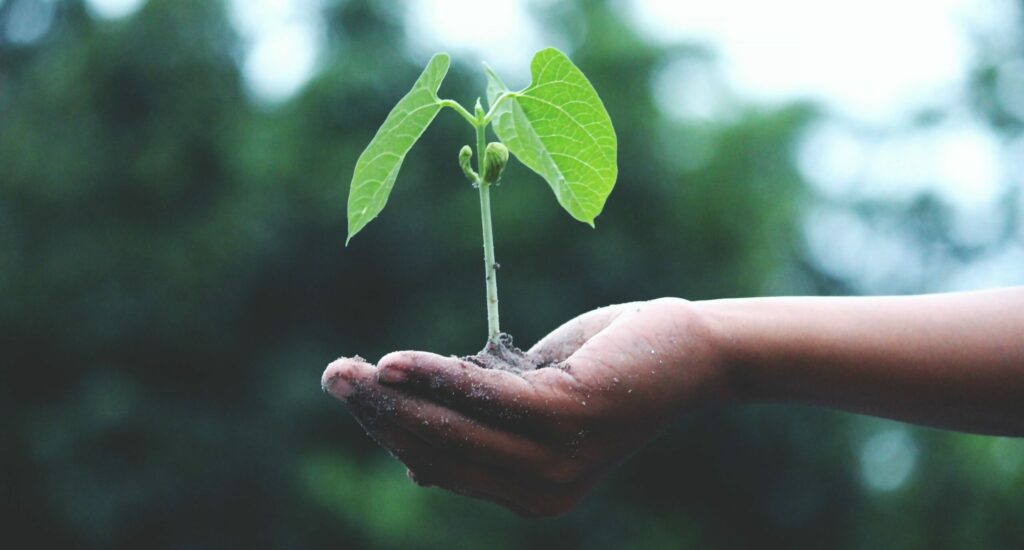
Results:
<point x="378" y="165"/>
<point x="559" y="128"/>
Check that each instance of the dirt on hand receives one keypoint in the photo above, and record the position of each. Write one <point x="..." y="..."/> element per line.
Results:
<point x="505" y="356"/>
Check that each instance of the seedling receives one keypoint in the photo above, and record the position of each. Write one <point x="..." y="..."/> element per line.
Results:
<point x="556" y="126"/>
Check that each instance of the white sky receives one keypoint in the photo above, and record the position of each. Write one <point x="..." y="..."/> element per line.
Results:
<point x="284" y="38"/>
<point x="502" y="33"/>
<point x="871" y="58"/>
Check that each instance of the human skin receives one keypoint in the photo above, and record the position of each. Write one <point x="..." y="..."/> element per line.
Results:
<point x="538" y="442"/>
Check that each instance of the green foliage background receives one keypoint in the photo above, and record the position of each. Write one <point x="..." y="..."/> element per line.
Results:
<point x="173" y="281"/>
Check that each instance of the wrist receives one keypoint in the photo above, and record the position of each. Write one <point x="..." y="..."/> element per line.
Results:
<point x="706" y="370"/>
<point x="732" y="339"/>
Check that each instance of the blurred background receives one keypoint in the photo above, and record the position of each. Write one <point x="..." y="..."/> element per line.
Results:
<point x="173" y="276"/>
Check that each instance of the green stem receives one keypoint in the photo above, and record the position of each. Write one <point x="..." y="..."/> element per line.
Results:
<point x="494" y="107"/>
<point x="454" y="105"/>
<point x="490" y="266"/>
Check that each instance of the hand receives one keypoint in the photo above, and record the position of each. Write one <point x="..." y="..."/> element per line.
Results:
<point x="537" y="442"/>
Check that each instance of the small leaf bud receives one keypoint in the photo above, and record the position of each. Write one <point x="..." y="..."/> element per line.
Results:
<point x="495" y="159"/>
<point x="465" y="155"/>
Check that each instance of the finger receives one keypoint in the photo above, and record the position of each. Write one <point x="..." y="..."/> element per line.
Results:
<point x="562" y="342"/>
<point x="343" y="376"/>
<point x="350" y="380"/>
<point x="421" y="459"/>
<point x="464" y="437"/>
<point x="429" y="466"/>
<point x="498" y="396"/>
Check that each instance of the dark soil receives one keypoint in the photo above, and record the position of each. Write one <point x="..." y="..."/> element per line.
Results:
<point x="505" y="356"/>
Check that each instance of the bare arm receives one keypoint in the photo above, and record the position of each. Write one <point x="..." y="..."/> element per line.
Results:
<point x="953" y="361"/>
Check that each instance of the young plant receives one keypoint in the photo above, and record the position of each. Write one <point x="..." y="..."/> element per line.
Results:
<point x="556" y="126"/>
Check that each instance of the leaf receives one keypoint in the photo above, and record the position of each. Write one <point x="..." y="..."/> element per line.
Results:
<point x="559" y="128"/>
<point x="378" y="165"/>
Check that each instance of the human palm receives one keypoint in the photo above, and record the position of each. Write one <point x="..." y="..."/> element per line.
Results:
<point x="536" y="442"/>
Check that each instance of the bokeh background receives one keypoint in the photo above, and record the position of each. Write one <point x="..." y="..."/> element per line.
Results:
<point x="173" y="276"/>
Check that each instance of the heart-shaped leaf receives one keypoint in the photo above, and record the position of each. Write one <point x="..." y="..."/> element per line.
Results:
<point x="378" y="165"/>
<point x="559" y="128"/>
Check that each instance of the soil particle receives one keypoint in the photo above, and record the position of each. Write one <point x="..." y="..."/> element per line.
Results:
<point x="505" y="356"/>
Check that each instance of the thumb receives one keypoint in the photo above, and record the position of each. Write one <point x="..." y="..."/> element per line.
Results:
<point x="567" y="339"/>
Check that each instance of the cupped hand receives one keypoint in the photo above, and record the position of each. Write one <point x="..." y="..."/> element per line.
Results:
<point x="536" y="442"/>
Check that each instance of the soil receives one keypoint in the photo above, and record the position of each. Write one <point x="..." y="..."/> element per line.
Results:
<point x="505" y="356"/>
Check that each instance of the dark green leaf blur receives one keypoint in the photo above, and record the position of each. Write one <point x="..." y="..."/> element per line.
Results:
<point x="173" y="280"/>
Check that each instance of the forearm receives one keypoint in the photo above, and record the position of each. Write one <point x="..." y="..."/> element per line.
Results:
<point x="954" y="361"/>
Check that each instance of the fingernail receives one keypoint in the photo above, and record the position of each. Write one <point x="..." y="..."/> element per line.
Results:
<point x="339" y="387"/>
<point x="391" y="375"/>
<point x="334" y="383"/>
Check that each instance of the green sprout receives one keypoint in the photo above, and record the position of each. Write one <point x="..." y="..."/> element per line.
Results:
<point x="557" y="126"/>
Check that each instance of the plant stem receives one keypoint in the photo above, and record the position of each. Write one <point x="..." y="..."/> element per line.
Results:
<point x="490" y="266"/>
<point x="454" y="105"/>
<point x="497" y="103"/>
